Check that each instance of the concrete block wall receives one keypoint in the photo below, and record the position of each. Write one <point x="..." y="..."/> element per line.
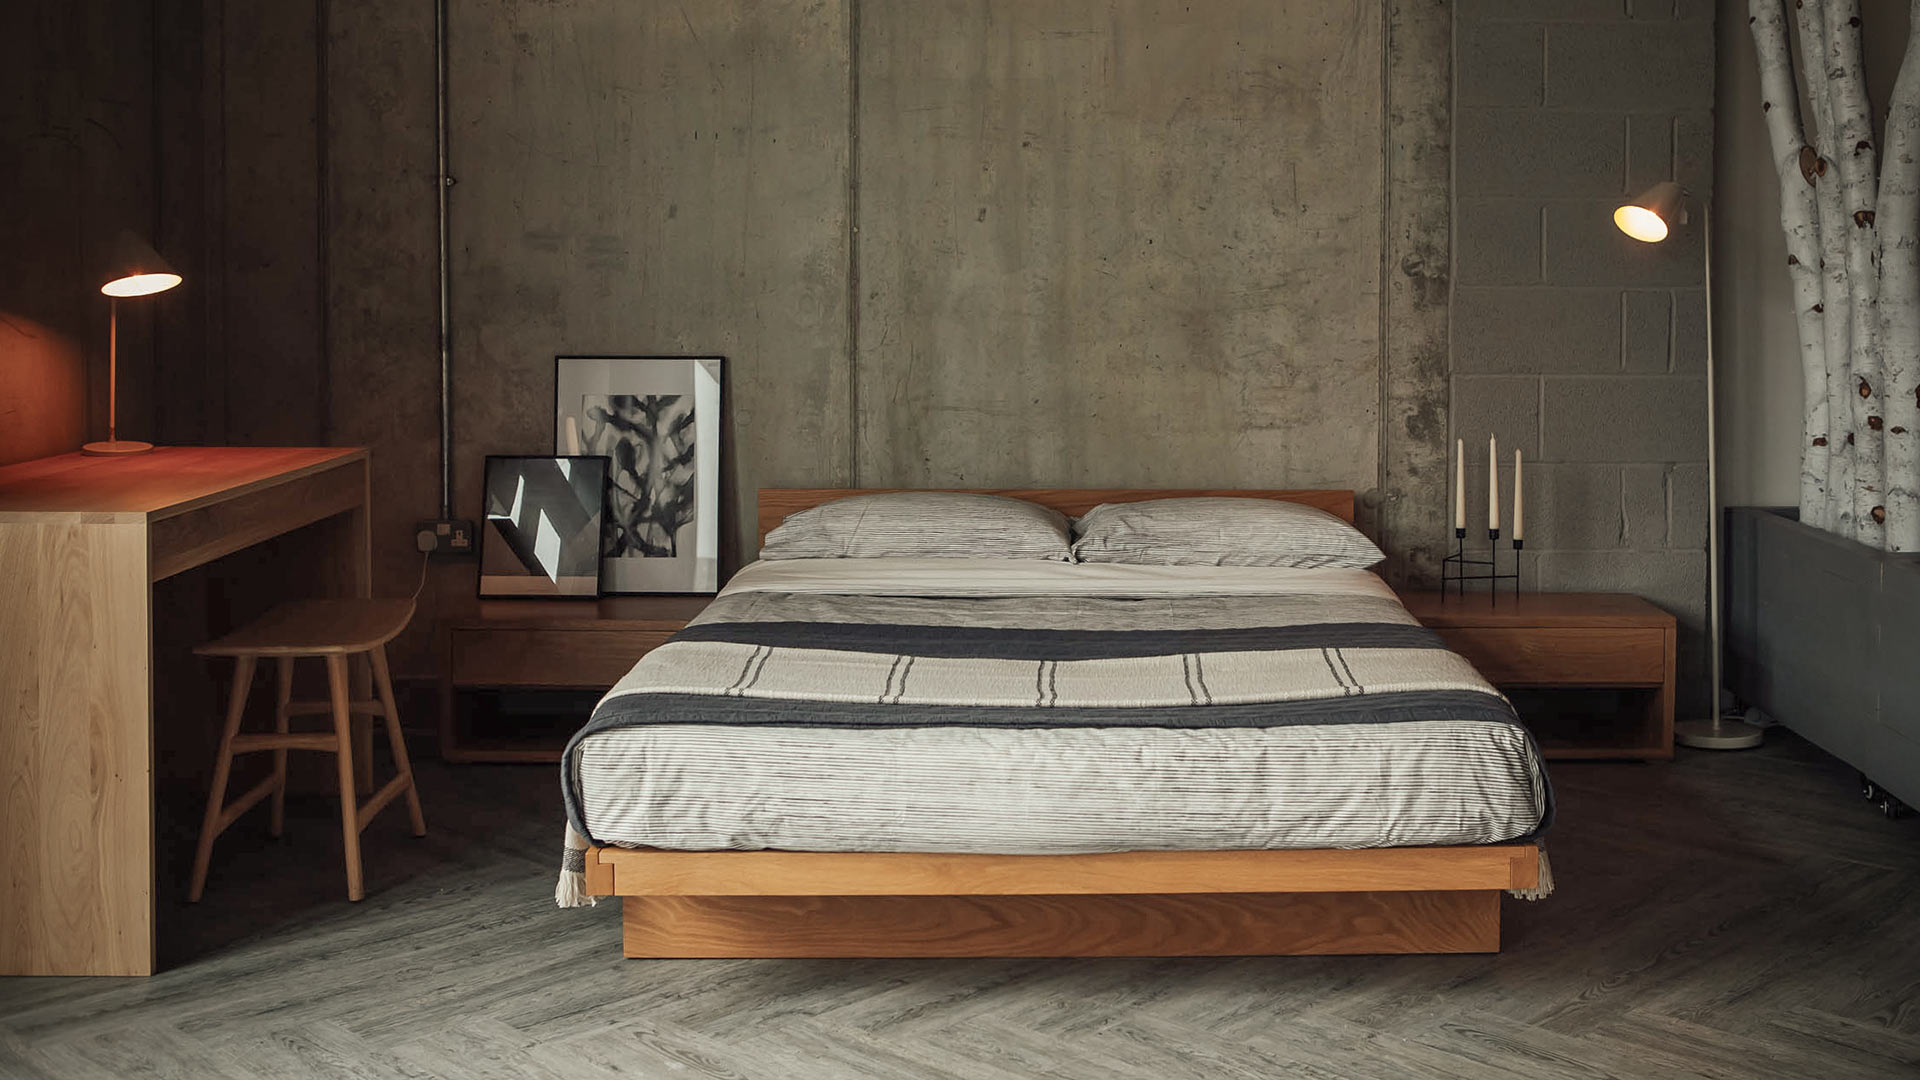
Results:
<point x="1571" y="342"/>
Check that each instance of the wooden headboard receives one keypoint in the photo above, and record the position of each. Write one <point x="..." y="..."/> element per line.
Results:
<point x="776" y="503"/>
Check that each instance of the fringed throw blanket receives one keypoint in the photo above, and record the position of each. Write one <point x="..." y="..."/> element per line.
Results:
<point x="1051" y="724"/>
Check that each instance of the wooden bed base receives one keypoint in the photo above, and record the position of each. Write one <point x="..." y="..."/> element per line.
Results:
<point x="1141" y="903"/>
<point x="1144" y="903"/>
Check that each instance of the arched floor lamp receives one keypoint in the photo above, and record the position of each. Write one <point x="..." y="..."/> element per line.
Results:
<point x="1649" y="217"/>
<point x="133" y="269"/>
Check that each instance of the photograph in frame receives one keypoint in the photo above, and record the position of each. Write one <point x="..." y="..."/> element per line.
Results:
<point x="657" y="421"/>
<point x="541" y="526"/>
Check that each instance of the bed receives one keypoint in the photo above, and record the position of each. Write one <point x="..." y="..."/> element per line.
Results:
<point x="899" y="757"/>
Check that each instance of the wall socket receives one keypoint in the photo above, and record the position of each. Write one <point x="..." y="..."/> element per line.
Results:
<point x="444" y="536"/>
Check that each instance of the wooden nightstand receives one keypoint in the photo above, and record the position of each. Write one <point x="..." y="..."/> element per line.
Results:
<point x="547" y="644"/>
<point x="1609" y="643"/>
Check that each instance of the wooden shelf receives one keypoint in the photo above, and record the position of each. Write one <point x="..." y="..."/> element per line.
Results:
<point x="1571" y="642"/>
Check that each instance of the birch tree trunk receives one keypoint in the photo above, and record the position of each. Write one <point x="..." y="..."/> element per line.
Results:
<point x="1836" y="318"/>
<point x="1780" y="101"/>
<point x="1857" y="161"/>
<point x="1899" y="227"/>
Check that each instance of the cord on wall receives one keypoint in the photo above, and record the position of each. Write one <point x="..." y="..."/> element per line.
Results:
<point x="443" y="183"/>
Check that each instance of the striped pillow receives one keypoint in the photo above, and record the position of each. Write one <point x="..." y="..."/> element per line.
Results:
<point x="928" y="524"/>
<point x="1220" y="532"/>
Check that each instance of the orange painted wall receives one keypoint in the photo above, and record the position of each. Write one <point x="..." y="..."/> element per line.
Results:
<point x="42" y="390"/>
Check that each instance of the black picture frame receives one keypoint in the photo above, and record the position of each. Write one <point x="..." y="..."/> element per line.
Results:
<point x="550" y="548"/>
<point x="677" y="556"/>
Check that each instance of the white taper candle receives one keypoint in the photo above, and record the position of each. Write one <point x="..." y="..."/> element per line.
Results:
<point x="1493" y="484"/>
<point x="1460" y="484"/>
<point x="1518" y="534"/>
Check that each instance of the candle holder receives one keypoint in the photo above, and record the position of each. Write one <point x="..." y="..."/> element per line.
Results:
<point x="1458" y="568"/>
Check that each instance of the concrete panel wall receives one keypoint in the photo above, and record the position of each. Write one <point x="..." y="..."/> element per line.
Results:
<point x="642" y="178"/>
<point x="383" y="300"/>
<point x="1571" y="342"/>
<point x="1133" y="244"/>
<point x="1176" y="280"/>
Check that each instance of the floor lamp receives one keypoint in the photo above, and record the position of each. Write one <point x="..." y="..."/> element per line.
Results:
<point x="1649" y="217"/>
<point x="133" y="269"/>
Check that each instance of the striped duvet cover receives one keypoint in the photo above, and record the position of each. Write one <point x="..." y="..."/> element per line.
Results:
<point x="988" y="706"/>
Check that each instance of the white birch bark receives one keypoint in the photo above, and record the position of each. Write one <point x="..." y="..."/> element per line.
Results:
<point x="1780" y="102"/>
<point x="1857" y="159"/>
<point x="1899" y="228"/>
<point x="1835" y="319"/>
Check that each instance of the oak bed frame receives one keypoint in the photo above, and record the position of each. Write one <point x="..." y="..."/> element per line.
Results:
<point x="1136" y="903"/>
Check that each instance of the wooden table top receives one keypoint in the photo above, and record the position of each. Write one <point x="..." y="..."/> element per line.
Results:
<point x="166" y="481"/>
<point x="1534" y="609"/>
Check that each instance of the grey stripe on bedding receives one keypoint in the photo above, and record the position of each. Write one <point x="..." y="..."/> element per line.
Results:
<point x="1016" y="643"/>
<point x="742" y="711"/>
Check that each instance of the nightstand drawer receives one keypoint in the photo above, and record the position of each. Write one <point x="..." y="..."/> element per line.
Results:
<point x="583" y="659"/>
<point x="1563" y="656"/>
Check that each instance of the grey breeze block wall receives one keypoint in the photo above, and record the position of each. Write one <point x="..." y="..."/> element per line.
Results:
<point x="1570" y="341"/>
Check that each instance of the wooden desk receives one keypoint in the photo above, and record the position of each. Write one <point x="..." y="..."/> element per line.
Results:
<point x="82" y="540"/>
<point x="1568" y="641"/>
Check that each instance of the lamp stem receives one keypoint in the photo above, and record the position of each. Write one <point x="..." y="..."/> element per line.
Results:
<point x="113" y="369"/>
<point x="1715" y="644"/>
<point x="1715" y="731"/>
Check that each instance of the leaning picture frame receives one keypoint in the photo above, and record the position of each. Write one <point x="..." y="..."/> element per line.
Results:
<point x="657" y="421"/>
<point x="541" y="522"/>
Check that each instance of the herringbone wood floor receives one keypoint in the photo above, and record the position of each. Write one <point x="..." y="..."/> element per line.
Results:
<point x="1738" y="915"/>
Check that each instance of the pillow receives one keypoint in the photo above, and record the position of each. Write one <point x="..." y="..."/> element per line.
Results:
<point x="1220" y="532"/>
<point x="929" y="524"/>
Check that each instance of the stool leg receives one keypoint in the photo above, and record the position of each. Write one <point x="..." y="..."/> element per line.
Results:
<point x="217" y="798"/>
<point x="383" y="681"/>
<point x="349" y="804"/>
<point x="281" y="699"/>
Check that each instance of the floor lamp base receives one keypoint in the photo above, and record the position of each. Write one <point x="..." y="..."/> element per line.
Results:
<point x="1716" y="733"/>
<point x="114" y="447"/>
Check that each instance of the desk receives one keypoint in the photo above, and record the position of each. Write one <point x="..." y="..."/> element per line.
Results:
<point x="82" y="540"/>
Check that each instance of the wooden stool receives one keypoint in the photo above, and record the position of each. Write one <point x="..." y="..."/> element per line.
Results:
<point x="333" y="630"/>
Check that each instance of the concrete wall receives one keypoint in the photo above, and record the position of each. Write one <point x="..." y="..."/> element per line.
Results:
<point x="652" y="179"/>
<point x="982" y="242"/>
<point x="1570" y="341"/>
<point x="967" y="242"/>
<point x="1758" y="375"/>
<point x="1132" y="246"/>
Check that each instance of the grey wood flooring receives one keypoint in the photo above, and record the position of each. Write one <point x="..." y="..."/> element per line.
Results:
<point x="1736" y="915"/>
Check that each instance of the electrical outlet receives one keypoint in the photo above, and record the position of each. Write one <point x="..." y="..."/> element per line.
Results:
<point x="445" y="536"/>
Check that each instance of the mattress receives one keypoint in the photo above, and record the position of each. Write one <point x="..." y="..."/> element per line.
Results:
<point x="1023" y="707"/>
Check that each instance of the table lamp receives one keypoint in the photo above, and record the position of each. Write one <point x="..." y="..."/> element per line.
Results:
<point x="1649" y="217"/>
<point x="132" y="269"/>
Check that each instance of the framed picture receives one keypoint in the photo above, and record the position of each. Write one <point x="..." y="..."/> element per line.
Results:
<point x="541" y="524"/>
<point x="657" y="421"/>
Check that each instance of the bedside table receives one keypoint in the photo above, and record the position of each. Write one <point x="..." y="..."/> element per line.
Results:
<point x="1602" y="642"/>
<point x="547" y="645"/>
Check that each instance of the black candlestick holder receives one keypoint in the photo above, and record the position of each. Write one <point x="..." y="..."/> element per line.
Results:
<point x="1457" y="569"/>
